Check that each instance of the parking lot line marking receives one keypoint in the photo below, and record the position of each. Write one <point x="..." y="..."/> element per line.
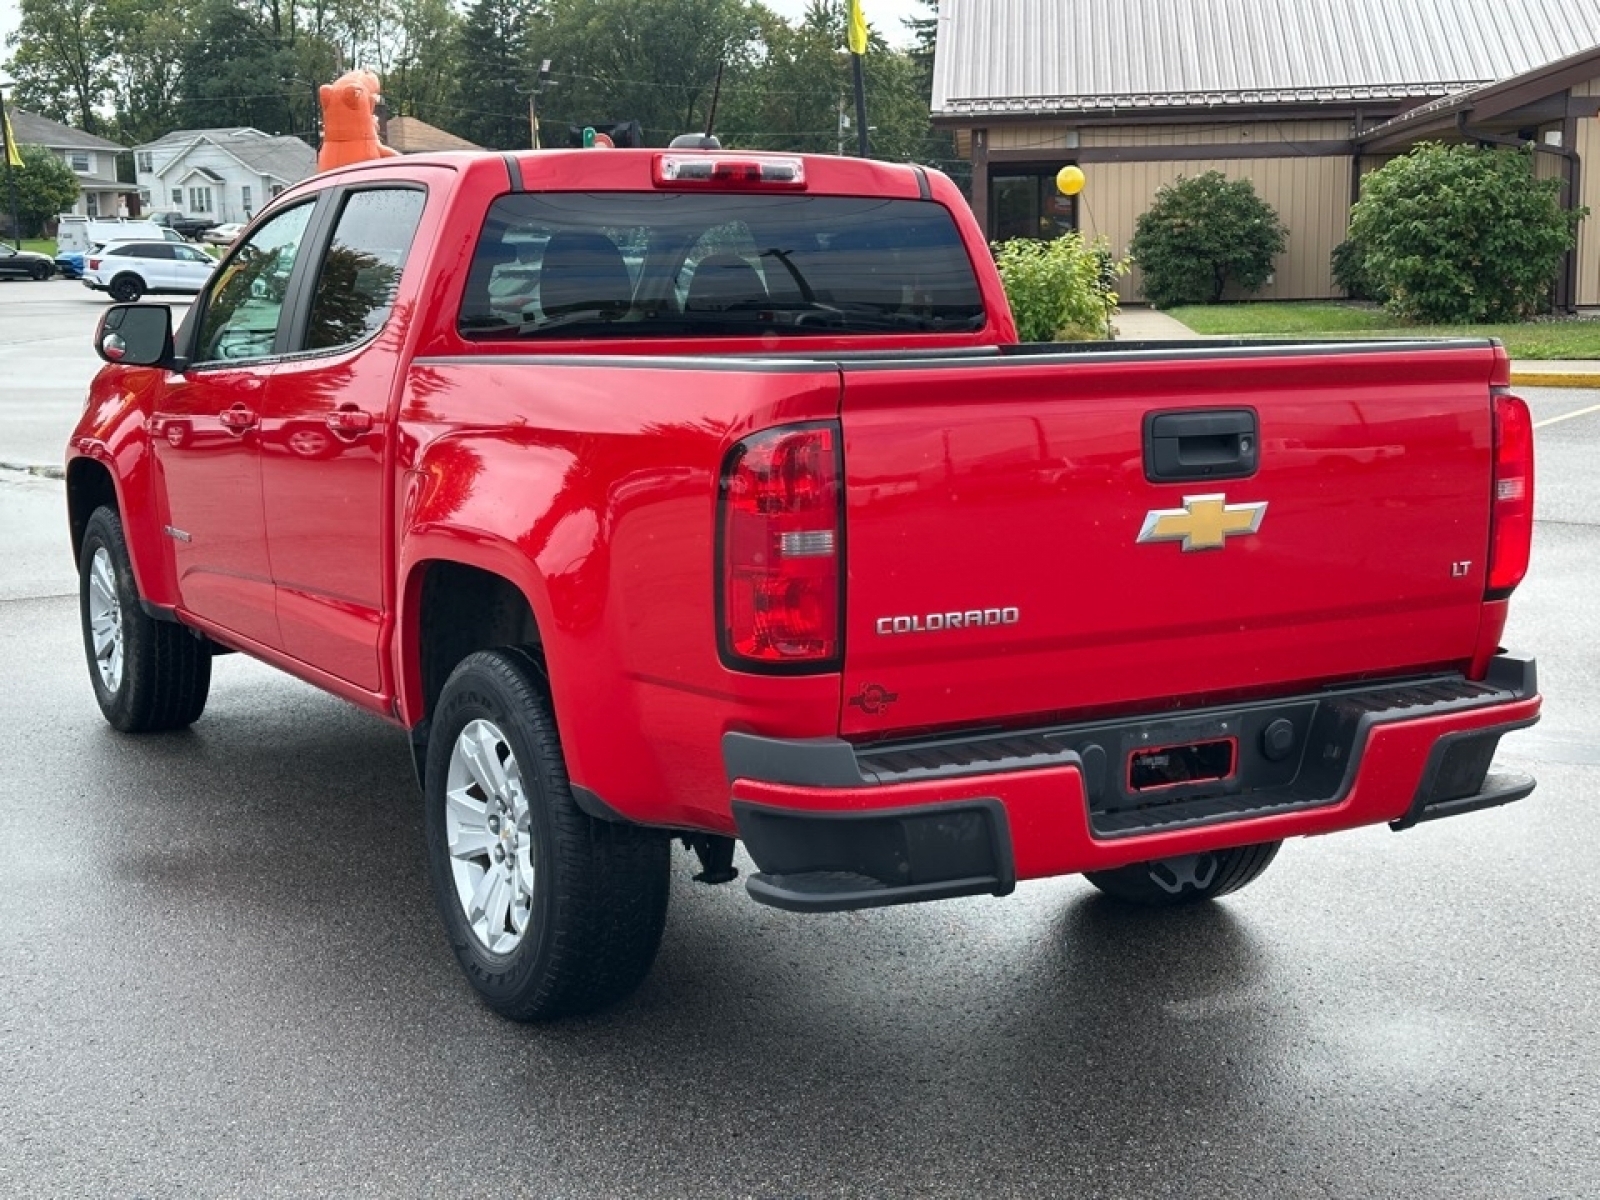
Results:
<point x="1582" y="412"/>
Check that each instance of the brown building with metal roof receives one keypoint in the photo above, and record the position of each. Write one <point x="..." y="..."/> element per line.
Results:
<point x="1298" y="96"/>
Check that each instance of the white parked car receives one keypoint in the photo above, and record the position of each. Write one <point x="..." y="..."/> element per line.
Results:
<point x="223" y="235"/>
<point x="129" y="270"/>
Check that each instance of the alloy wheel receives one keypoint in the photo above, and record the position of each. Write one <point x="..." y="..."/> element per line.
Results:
<point x="489" y="837"/>
<point x="105" y="620"/>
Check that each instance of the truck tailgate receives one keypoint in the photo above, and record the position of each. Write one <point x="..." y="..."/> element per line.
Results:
<point x="1010" y="557"/>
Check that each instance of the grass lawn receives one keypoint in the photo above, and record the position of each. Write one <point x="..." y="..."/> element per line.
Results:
<point x="1575" y="337"/>
<point x="42" y="245"/>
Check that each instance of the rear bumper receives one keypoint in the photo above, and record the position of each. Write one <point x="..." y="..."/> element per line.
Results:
<point x="834" y="826"/>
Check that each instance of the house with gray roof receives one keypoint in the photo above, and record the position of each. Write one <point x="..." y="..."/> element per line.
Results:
<point x="1299" y="96"/>
<point x="220" y="174"/>
<point x="92" y="159"/>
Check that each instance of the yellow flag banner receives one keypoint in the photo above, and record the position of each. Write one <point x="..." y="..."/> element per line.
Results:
<point x="12" y="157"/>
<point x="858" y="29"/>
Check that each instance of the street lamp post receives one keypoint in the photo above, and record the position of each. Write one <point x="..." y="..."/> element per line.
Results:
<point x="11" y="179"/>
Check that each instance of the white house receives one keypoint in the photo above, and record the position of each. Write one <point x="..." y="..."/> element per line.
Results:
<point x="222" y="174"/>
<point x="92" y="159"/>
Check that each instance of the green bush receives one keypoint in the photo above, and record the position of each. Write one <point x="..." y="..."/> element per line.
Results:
<point x="1202" y="235"/>
<point x="1061" y="290"/>
<point x="1458" y="234"/>
<point x="1350" y="272"/>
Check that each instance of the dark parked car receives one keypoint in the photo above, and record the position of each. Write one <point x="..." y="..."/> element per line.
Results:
<point x="190" y="227"/>
<point x="25" y="264"/>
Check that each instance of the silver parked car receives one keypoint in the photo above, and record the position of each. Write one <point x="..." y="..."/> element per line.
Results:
<point x="129" y="270"/>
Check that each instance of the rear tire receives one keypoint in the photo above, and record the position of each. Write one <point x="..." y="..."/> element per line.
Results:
<point x="148" y="675"/>
<point x="1187" y="879"/>
<point x="42" y="271"/>
<point x="550" y="912"/>
<point x="125" y="289"/>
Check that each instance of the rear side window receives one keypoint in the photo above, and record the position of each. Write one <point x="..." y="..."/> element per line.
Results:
<point x="360" y="273"/>
<point x="632" y="265"/>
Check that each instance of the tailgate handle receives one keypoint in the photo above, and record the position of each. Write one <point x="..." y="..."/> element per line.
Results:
<point x="1213" y="443"/>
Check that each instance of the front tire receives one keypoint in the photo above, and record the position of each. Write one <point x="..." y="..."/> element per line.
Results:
<point x="550" y="912"/>
<point x="42" y="272"/>
<point x="1187" y="879"/>
<point x="148" y="675"/>
<point x="126" y="289"/>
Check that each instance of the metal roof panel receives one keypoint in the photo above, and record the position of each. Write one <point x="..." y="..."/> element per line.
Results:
<point x="1074" y="55"/>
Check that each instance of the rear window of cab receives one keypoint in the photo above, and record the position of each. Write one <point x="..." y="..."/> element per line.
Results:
<point x="674" y="264"/>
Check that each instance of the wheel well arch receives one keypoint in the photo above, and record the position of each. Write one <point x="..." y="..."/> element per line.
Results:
<point x="89" y="486"/>
<point x="458" y="610"/>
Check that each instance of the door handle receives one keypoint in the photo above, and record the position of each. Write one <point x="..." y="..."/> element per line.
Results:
<point x="238" y="419"/>
<point x="347" y="421"/>
<point x="1189" y="447"/>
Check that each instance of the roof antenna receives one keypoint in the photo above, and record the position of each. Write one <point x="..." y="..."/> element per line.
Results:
<point x="706" y="140"/>
<point x="716" y="90"/>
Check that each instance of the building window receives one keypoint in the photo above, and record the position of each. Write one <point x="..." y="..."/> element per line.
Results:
<point x="274" y="189"/>
<point x="1029" y="206"/>
<point x="244" y="196"/>
<point x="177" y="197"/>
<point x="80" y="161"/>
<point x="144" y="161"/>
<point x="200" y="199"/>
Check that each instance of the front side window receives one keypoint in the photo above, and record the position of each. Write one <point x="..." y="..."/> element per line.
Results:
<point x="360" y="274"/>
<point x="245" y="298"/>
<point x="672" y="264"/>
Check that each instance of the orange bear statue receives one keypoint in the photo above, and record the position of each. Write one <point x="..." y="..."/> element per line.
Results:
<point x="350" y="121"/>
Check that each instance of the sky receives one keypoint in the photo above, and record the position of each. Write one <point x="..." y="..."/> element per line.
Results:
<point x="883" y="15"/>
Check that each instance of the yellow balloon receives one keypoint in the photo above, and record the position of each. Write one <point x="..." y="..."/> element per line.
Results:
<point x="1069" y="181"/>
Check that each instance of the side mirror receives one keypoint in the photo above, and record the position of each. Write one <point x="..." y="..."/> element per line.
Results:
<point x="135" y="335"/>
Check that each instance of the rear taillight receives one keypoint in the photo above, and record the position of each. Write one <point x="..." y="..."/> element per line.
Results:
<point x="781" y="540"/>
<point x="94" y="264"/>
<point x="1511" y="519"/>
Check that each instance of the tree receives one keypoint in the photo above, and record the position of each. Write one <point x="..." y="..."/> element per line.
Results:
<point x="1201" y="236"/>
<point x="492" y="48"/>
<point x="654" y="61"/>
<point x="1456" y="234"/>
<point x="419" y="76"/>
<point x="798" y="86"/>
<point x="45" y="186"/>
<point x="142" y="74"/>
<point x="59" y="63"/>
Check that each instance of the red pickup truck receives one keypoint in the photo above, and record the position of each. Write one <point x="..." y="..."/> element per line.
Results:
<point x="708" y="496"/>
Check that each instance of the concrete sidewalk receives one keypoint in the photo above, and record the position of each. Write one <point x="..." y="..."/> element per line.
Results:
<point x="1140" y="324"/>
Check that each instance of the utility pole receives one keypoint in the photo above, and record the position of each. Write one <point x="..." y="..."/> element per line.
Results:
<point x="539" y="84"/>
<point x="11" y="178"/>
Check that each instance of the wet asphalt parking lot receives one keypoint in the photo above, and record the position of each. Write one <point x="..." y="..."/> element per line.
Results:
<point x="221" y="973"/>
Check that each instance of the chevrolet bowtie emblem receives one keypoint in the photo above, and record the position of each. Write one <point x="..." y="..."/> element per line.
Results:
<point x="1203" y="523"/>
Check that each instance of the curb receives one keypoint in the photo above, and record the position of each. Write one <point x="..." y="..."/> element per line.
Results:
<point x="1534" y="377"/>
